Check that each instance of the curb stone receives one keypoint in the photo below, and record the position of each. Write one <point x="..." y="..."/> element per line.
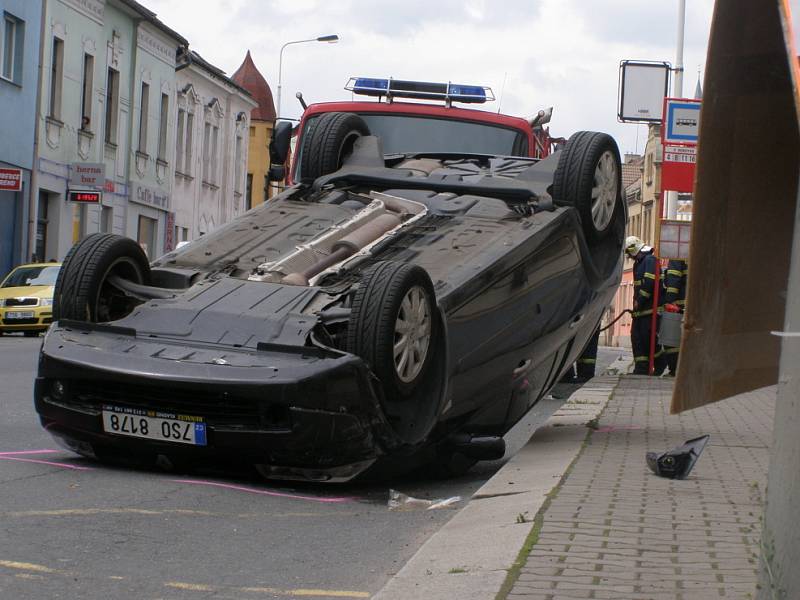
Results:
<point x="471" y="555"/>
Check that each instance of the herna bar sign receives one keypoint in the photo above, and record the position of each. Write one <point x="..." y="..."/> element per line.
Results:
<point x="10" y="180"/>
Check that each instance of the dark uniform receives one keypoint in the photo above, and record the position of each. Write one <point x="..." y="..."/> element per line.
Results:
<point x="588" y="360"/>
<point x="675" y="293"/>
<point x="645" y="271"/>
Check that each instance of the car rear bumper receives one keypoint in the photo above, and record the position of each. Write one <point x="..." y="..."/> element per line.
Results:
<point x="300" y="413"/>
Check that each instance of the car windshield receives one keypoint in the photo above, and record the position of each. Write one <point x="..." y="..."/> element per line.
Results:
<point x="407" y="134"/>
<point x="25" y="276"/>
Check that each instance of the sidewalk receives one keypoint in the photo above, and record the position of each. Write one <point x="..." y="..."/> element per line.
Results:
<point x="612" y="529"/>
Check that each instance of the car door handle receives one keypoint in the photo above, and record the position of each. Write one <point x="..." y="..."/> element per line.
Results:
<point x="575" y="321"/>
<point x="521" y="369"/>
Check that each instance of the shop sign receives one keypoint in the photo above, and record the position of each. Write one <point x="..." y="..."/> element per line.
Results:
<point x="10" y="180"/>
<point x="85" y="196"/>
<point x="150" y="197"/>
<point x="87" y="175"/>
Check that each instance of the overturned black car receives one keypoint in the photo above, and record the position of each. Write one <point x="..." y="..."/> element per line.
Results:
<point x="401" y="309"/>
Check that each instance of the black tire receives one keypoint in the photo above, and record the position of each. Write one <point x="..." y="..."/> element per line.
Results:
<point x="326" y="143"/>
<point x="580" y="170"/>
<point x="82" y="291"/>
<point x="450" y="465"/>
<point x="375" y="318"/>
<point x="31" y="333"/>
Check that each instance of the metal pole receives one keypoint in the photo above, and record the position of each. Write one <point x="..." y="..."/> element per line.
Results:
<point x="677" y="92"/>
<point x="324" y="38"/>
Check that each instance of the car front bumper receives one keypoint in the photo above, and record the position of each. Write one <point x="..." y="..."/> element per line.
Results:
<point x="297" y="412"/>
<point x="36" y="318"/>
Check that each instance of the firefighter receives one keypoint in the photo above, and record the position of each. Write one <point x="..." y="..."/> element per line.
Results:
<point x="586" y="363"/>
<point x="582" y="370"/>
<point x="675" y="300"/>
<point x="645" y="272"/>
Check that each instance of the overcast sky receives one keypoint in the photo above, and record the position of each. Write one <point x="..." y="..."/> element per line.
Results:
<point x="533" y="53"/>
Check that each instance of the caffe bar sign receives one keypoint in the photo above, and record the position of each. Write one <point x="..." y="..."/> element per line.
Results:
<point x="150" y="197"/>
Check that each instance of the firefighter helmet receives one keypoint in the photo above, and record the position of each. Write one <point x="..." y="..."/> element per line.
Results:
<point x="633" y="245"/>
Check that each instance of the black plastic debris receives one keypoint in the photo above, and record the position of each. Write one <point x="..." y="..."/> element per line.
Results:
<point x="678" y="462"/>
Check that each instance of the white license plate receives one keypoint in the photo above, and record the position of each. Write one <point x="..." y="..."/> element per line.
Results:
<point x="19" y="315"/>
<point x="154" y="425"/>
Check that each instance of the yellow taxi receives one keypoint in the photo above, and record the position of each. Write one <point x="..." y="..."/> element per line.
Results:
<point x="26" y="298"/>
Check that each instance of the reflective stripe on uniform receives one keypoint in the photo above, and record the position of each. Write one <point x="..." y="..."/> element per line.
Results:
<point x="642" y="313"/>
<point x="671" y="350"/>
<point x="673" y="272"/>
<point x="681" y="302"/>
<point x="587" y="361"/>
<point x="641" y="358"/>
<point x="637" y="282"/>
<point x="644" y="293"/>
<point x="650" y="276"/>
<point x="674" y="290"/>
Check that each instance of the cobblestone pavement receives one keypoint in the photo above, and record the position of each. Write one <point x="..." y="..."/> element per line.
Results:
<point x="614" y="530"/>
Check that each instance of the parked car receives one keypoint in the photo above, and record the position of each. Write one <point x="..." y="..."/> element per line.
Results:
<point x="398" y="308"/>
<point x="26" y="298"/>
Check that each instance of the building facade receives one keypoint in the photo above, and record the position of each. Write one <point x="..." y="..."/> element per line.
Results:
<point x="108" y="89"/>
<point x="211" y="148"/>
<point x="151" y="167"/>
<point x="259" y="188"/>
<point x="20" y="30"/>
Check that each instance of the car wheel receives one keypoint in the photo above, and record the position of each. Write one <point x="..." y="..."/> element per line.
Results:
<point x="393" y="326"/>
<point x="83" y="291"/>
<point x="589" y="177"/>
<point x="449" y="465"/>
<point x="328" y="141"/>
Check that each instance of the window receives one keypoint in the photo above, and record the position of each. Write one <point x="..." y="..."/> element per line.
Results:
<point x="144" y="109"/>
<point x="162" y="128"/>
<point x="248" y="194"/>
<point x="86" y="92"/>
<point x="187" y="165"/>
<point x="206" y="150"/>
<point x="112" y="106"/>
<point x="106" y="219"/>
<point x="146" y="235"/>
<point x="252" y="132"/>
<point x="12" y="35"/>
<point x="179" y="135"/>
<point x="237" y="185"/>
<point x="56" y="78"/>
<point x="214" y="153"/>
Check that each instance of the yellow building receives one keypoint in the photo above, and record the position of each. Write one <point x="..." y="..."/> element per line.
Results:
<point x="262" y="121"/>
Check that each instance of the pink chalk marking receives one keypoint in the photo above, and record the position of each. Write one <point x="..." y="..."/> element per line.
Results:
<point x="265" y="492"/>
<point x="47" y="462"/>
<point x="28" y="452"/>
<point x="611" y="428"/>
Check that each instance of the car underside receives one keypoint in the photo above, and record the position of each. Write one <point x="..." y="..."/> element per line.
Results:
<point x="405" y="308"/>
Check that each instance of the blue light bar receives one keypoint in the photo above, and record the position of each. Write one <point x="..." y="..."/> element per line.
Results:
<point x="421" y="90"/>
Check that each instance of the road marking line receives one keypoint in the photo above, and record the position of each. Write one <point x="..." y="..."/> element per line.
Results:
<point x="301" y="592"/>
<point x="307" y="592"/>
<point x="69" y="512"/>
<point x="29" y="452"/>
<point x="194" y="587"/>
<point x="241" y="488"/>
<point x="47" y="462"/>
<point x="25" y="566"/>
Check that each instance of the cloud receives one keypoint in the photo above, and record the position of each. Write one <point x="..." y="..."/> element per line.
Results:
<point x="561" y="53"/>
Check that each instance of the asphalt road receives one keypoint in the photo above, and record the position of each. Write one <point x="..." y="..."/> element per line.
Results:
<point x="73" y="528"/>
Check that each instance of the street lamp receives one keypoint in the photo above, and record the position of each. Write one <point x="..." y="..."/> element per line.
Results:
<point x="332" y="39"/>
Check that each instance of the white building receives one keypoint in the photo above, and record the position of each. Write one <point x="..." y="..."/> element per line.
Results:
<point x="212" y="125"/>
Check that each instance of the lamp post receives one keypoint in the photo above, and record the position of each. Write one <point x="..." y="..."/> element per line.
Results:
<point x="332" y="39"/>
